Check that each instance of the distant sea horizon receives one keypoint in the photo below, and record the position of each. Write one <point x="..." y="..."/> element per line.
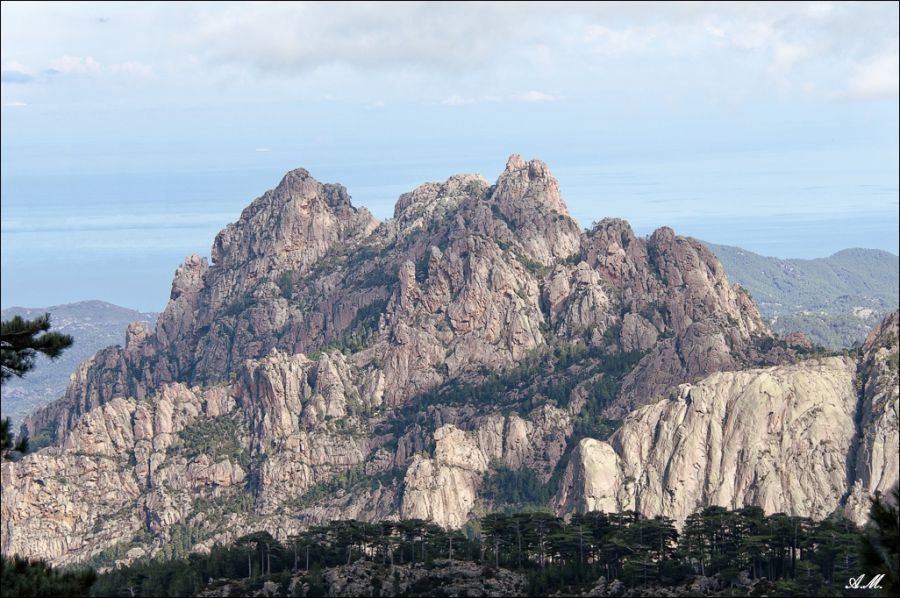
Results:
<point x="118" y="236"/>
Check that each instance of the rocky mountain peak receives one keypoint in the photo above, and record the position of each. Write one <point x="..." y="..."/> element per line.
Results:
<point x="515" y="162"/>
<point x="296" y="221"/>
<point x="188" y="276"/>
<point x="321" y="345"/>
<point x="463" y="278"/>
<point x="531" y="184"/>
<point x="433" y="200"/>
<point x="136" y="334"/>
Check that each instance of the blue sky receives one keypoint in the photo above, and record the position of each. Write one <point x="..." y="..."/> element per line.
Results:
<point x="131" y="133"/>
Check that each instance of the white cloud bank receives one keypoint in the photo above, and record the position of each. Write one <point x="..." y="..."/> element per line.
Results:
<point x="75" y="64"/>
<point x="88" y="65"/>
<point x="879" y="77"/>
<point x="797" y="45"/>
<point x="475" y="50"/>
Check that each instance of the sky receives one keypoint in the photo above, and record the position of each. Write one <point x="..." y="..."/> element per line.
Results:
<point x="132" y="133"/>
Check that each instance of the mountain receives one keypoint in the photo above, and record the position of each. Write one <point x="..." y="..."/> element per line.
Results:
<point x="835" y="301"/>
<point x="778" y="437"/>
<point x="328" y="366"/>
<point x="93" y="324"/>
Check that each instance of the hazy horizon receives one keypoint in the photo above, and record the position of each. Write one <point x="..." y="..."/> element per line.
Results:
<point x="131" y="134"/>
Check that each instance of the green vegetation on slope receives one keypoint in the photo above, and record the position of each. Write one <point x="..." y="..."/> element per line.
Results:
<point x="747" y="552"/>
<point x="21" y="577"/>
<point x="835" y="301"/>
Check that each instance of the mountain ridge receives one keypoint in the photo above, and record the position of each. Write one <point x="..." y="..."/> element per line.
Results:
<point x="326" y="366"/>
<point x="834" y="300"/>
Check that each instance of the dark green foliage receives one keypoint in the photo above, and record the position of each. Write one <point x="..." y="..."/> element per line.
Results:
<point x="499" y="215"/>
<point x="360" y="334"/>
<point x="477" y="188"/>
<point x="590" y="423"/>
<point x="544" y="375"/>
<point x="327" y="489"/>
<point x="218" y="437"/>
<point x="818" y="297"/>
<point x="831" y="330"/>
<point x="364" y="327"/>
<point x="534" y="267"/>
<point x="422" y="269"/>
<point x="45" y="438"/>
<point x="20" y="577"/>
<point x="362" y="256"/>
<point x="348" y="480"/>
<point x="240" y="305"/>
<point x="285" y="284"/>
<point x="379" y="277"/>
<point x="21" y="340"/>
<point x="506" y="489"/>
<point x="786" y="555"/>
<point x="19" y="346"/>
<point x="94" y="326"/>
<point x="108" y="556"/>
<point x="9" y="446"/>
<point x="880" y="545"/>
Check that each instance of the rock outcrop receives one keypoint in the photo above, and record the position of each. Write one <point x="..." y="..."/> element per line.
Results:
<point x="366" y="578"/>
<point x="325" y="366"/>
<point x="467" y="276"/>
<point x="877" y="457"/>
<point x="122" y="469"/>
<point x="677" y="304"/>
<point x="784" y="438"/>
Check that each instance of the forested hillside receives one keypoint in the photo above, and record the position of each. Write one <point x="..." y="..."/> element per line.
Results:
<point x="835" y="301"/>
<point x="718" y="552"/>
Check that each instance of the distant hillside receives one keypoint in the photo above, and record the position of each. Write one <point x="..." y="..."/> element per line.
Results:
<point x="835" y="300"/>
<point x="93" y="324"/>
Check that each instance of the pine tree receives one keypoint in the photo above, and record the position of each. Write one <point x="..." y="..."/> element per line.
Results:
<point x="19" y="344"/>
<point x="8" y="443"/>
<point x="880" y="546"/>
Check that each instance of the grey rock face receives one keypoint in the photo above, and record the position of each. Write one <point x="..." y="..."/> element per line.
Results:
<point x="877" y="460"/>
<point x="304" y="376"/>
<point x="365" y="578"/>
<point x="677" y="304"/>
<point x="781" y="438"/>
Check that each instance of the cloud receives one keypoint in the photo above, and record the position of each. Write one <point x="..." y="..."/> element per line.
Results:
<point x="15" y="104"/>
<point x="262" y="149"/>
<point x="88" y="65"/>
<point x="299" y="38"/>
<point x="75" y="64"/>
<point x="133" y="69"/>
<point x="13" y="71"/>
<point x="536" y="96"/>
<point x="453" y="51"/>
<point x="11" y="76"/>
<point x="792" y="44"/>
<point x="528" y="96"/>
<point x="783" y="58"/>
<point x="458" y="100"/>
<point x="878" y="77"/>
<point x="605" y="40"/>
